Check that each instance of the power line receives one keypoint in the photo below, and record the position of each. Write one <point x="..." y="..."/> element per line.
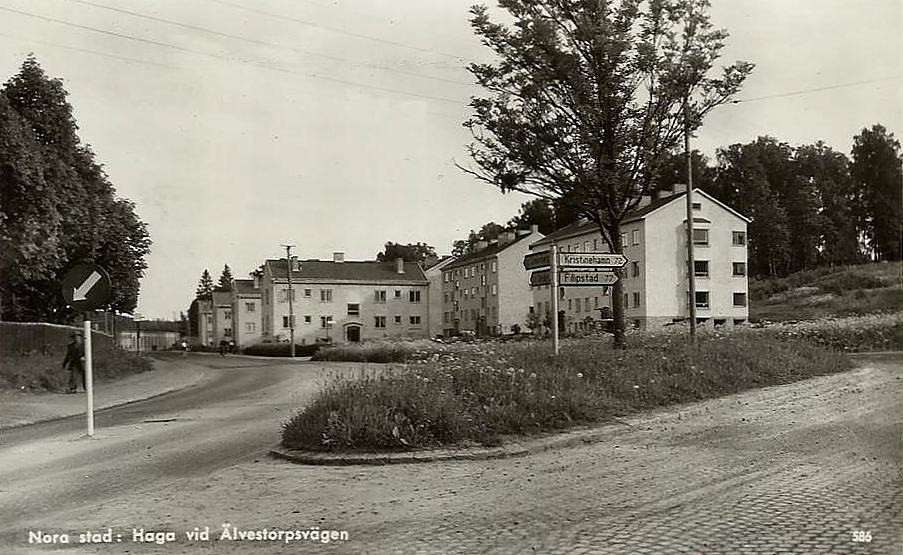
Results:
<point x="819" y="89"/>
<point x="269" y="44"/>
<point x="340" y="31"/>
<point x="88" y="51"/>
<point x="231" y="59"/>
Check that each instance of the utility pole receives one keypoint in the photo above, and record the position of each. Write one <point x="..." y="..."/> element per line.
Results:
<point x="691" y="262"/>
<point x="291" y="298"/>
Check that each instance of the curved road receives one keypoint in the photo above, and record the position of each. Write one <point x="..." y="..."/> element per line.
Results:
<point x="813" y="467"/>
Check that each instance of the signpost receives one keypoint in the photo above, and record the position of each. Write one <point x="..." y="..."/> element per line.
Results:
<point x="571" y="269"/>
<point x="86" y="287"/>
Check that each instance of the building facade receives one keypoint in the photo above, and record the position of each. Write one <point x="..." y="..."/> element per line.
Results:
<point x="343" y="301"/>
<point x="247" y="327"/>
<point x="655" y="278"/>
<point x="434" y="276"/>
<point x="487" y="291"/>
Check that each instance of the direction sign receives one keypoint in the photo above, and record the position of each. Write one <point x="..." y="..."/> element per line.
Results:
<point x="586" y="278"/>
<point x="537" y="260"/>
<point x="86" y="287"/>
<point x="542" y="277"/>
<point x="592" y="259"/>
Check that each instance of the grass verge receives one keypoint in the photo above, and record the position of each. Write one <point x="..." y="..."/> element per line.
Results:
<point x="41" y="372"/>
<point x="464" y="394"/>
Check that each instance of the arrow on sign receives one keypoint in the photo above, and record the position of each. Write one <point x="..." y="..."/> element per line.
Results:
<point x="589" y="278"/>
<point x="80" y="293"/>
<point x="592" y="260"/>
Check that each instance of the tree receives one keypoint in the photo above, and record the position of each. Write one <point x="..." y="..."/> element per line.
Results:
<point x="587" y="97"/>
<point x="225" y="279"/>
<point x="673" y="171"/>
<point x="547" y="215"/>
<point x="411" y="252"/>
<point x="59" y="208"/>
<point x="205" y="286"/>
<point x="488" y="232"/>
<point x="876" y="170"/>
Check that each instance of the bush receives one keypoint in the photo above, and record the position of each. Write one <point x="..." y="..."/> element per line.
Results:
<point x="478" y="393"/>
<point x="280" y="350"/>
<point x="376" y="351"/>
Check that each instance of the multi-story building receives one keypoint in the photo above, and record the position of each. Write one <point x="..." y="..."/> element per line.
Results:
<point x="434" y="276"/>
<point x="338" y="300"/>
<point x="655" y="277"/>
<point x="221" y="310"/>
<point x="204" y="309"/>
<point x="247" y="328"/>
<point x="487" y="291"/>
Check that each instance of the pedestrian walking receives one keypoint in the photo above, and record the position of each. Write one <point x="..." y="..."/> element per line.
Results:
<point x="184" y="346"/>
<point x="75" y="360"/>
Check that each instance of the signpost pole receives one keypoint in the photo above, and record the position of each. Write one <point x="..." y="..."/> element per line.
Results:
<point x="554" y="286"/>
<point x="89" y="377"/>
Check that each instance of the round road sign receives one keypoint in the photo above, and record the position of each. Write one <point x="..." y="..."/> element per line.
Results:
<point x="86" y="287"/>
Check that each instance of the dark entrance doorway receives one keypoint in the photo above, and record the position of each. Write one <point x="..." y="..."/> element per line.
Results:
<point x="353" y="333"/>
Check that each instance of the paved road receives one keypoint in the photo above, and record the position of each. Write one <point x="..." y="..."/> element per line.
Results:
<point x="807" y="468"/>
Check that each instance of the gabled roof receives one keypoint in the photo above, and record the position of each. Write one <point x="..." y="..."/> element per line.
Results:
<point x="583" y="227"/>
<point x="244" y="286"/>
<point x="368" y="271"/>
<point x="483" y="254"/>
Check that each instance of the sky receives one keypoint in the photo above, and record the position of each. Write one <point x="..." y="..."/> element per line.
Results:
<point x="238" y="126"/>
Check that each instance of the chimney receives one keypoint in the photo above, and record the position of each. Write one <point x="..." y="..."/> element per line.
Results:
<point x="338" y="257"/>
<point x="399" y="265"/>
<point x="534" y="229"/>
<point x="680" y="188"/>
<point x="481" y="244"/>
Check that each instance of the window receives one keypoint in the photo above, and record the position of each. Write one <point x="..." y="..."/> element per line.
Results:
<point x="579" y="305"/>
<point x="250" y="327"/>
<point x="701" y="237"/>
<point x="606" y="290"/>
<point x="398" y="293"/>
<point x="308" y="318"/>
<point x="354" y="309"/>
<point x="595" y="244"/>
<point x="636" y="299"/>
<point x="325" y="295"/>
<point x="288" y="321"/>
<point x="284" y="295"/>
<point x="227" y="332"/>
<point x="445" y="277"/>
<point x="626" y="301"/>
<point x="483" y="279"/>
<point x="701" y="268"/>
<point x="739" y="238"/>
<point x="379" y="296"/>
<point x="414" y="296"/>
<point x="227" y="315"/>
<point x="586" y="304"/>
<point x="397" y="319"/>
<point x="739" y="299"/>
<point x="636" y="237"/>
<point x="495" y="289"/>
<point x="635" y="269"/>
<point x="570" y="303"/>
<point x="445" y="298"/>
<point x="250" y="307"/>
<point x="623" y="239"/>
<point x="697" y="206"/>
<point x="494" y="266"/>
<point x="739" y="268"/>
<point x="379" y="321"/>
<point x="307" y="293"/>
<point x="595" y="302"/>
<point x="325" y="321"/>
<point x="482" y="267"/>
<point x="702" y="299"/>
<point x="586" y="246"/>
<point x="415" y="320"/>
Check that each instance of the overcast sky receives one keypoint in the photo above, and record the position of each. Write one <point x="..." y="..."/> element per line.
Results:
<point x="334" y="125"/>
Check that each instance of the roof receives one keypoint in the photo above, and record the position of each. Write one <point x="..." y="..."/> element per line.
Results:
<point x="244" y="286"/>
<point x="483" y="254"/>
<point x="583" y="226"/>
<point x="222" y="298"/>
<point x="366" y="271"/>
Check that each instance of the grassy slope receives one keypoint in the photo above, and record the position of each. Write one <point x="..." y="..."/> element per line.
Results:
<point x="838" y="291"/>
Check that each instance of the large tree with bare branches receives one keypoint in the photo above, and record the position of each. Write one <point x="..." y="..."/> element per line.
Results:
<point x="587" y="96"/>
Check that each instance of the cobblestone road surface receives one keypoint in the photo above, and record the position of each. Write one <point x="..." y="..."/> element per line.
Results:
<point x="806" y="468"/>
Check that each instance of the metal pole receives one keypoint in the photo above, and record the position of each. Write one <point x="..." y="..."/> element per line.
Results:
<point x="691" y="263"/>
<point x="553" y="270"/>
<point x="89" y="377"/>
<point x="291" y="313"/>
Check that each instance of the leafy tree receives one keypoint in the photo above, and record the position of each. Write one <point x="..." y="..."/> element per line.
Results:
<point x="547" y="215"/>
<point x="225" y="279"/>
<point x="411" y="252"/>
<point x="587" y="97"/>
<point x="673" y="170"/>
<point x="205" y="286"/>
<point x="876" y="169"/>
<point x="488" y="232"/>
<point x="59" y="208"/>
